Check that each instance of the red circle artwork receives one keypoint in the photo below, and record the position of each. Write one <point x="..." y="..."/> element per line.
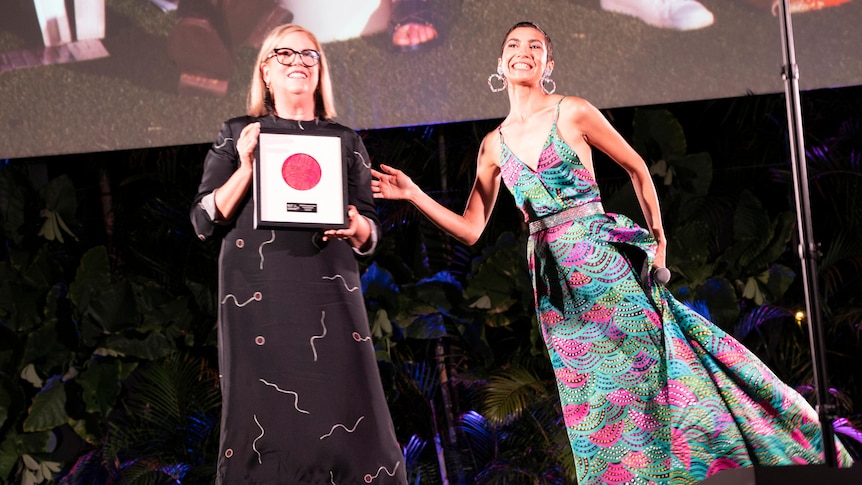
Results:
<point x="301" y="171"/>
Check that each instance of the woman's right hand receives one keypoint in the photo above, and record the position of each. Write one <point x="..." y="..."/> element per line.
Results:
<point x="391" y="183"/>
<point x="246" y="144"/>
<point x="229" y="196"/>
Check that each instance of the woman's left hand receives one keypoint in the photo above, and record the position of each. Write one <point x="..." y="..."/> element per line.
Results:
<point x="357" y="225"/>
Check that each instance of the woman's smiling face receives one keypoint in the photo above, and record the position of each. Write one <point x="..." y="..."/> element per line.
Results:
<point x="525" y="54"/>
<point x="294" y="78"/>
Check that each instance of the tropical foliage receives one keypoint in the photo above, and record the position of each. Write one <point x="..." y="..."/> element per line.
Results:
<point x="108" y="358"/>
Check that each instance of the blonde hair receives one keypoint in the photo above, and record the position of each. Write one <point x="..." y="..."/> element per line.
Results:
<point x="324" y="103"/>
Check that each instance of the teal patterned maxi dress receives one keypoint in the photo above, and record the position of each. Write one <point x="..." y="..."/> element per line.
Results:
<point x="651" y="392"/>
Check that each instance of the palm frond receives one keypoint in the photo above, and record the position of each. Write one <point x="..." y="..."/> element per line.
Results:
<point x="757" y="318"/>
<point x="511" y="393"/>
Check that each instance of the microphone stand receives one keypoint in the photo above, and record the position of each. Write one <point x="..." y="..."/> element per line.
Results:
<point x="808" y="250"/>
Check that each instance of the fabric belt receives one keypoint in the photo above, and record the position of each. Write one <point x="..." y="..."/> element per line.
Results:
<point x="588" y="209"/>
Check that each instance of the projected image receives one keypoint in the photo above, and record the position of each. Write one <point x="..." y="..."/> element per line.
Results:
<point x="206" y="53"/>
<point x="66" y="36"/>
<point x="100" y="75"/>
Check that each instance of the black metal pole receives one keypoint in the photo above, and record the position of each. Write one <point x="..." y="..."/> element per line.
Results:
<point x="808" y="250"/>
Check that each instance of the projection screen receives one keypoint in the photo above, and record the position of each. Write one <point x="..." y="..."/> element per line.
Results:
<point x="80" y="76"/>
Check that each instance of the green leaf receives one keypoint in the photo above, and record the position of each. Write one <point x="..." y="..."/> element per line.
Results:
<point x="151" y="347"/>
<point x="115" y="308"/>
<point x="693" y="173"/>
<point x="44" y="341"/>
<point x="780" y="279"/>
<point x="20" y="306"/>
<point x="498" y="275"/>
<point x="439" y="293"/>
<point x="657" y="127"/>
<point x="426" y="327"/>
<point x="175" y="314"/>
<point x="752" y="290"/>
<point x="380" y="288"/>
<point x="92" y="277"/>
<point x="9" y="453"/>
<point x="13" y="198"/>
<point x="59" y="195"/>
<point x="49" y="407"/>
<point x="101" y="384"/>
<point x="87" y="429"/>
<point x="510" y="393"/>
<point x="38" y="271"/>
<point x="721" y="299"/>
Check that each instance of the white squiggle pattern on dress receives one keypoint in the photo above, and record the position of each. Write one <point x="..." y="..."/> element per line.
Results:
<point x="331" y="477"/>
<point x="223" y="143"/>
<point x="369" y="477"/>
<point x="257" y="296"/>
<point x="312" y="339"/>
<point x="367" y="164"/>
<point x="260" y="248"/>
<point x="360" y="338"/>
<point x="343" y="281"/>
<point x="254" y="443"/>
<point x="339" y="425"/>
<point x="295" y="396"/>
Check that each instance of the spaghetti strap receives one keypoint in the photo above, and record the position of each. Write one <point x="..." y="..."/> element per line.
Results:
<point x="503" y="146"/>
<point x="557" y="114"/>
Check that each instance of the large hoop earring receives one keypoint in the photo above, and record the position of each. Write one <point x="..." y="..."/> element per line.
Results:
<point x="497" y="77"/>
<point x="546" y="79"/>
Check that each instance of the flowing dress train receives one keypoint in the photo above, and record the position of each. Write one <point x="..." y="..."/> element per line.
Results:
<point x="651" y="392"/>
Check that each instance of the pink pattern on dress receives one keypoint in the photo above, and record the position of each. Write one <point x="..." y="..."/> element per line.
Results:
<point x="608" y="435"/>
<point x="574" y="414"/>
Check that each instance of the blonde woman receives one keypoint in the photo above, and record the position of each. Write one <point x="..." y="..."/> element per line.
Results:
<point x="302" y="396"/>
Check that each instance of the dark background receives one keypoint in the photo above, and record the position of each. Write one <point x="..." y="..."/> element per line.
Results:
<point x="130" y="99"/>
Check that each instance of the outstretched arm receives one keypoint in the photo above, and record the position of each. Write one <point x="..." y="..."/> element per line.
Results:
<point x="391" y="183"/>
<point x="582" y="117"/>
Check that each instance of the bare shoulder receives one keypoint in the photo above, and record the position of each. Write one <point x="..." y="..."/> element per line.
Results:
<point x="577" y="108"/>
<point x="489" y="150"/>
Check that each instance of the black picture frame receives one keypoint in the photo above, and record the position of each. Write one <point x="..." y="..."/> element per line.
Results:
<point x="300" y="181"/>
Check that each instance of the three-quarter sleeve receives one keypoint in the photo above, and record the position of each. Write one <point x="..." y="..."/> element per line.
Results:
<point x="359" y="187"/>
<point x="220" y="163"/>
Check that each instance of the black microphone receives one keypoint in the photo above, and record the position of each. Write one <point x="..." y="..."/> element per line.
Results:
<point x="661" y="275"/>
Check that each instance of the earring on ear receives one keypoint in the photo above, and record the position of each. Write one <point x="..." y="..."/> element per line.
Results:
<point x="499" y="78"/>
<point x="546" y="79"/>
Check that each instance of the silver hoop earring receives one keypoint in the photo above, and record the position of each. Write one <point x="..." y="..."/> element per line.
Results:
<point x="546" y="79"/>
<point x="497" y="77"/>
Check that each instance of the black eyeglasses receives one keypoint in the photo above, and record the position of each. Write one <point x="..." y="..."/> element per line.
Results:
<point x="284" y="56"/>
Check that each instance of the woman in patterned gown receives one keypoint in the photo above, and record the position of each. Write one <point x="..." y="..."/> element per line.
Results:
<point x="651" y="392"/>
<point x="302" y="396"/>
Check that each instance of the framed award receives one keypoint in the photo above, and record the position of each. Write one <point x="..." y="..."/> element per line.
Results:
<point x="299" y="181"/>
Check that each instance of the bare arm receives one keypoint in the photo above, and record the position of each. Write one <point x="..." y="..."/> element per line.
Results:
<point x="579" y="116"/>
<point x="391" y="183"/>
